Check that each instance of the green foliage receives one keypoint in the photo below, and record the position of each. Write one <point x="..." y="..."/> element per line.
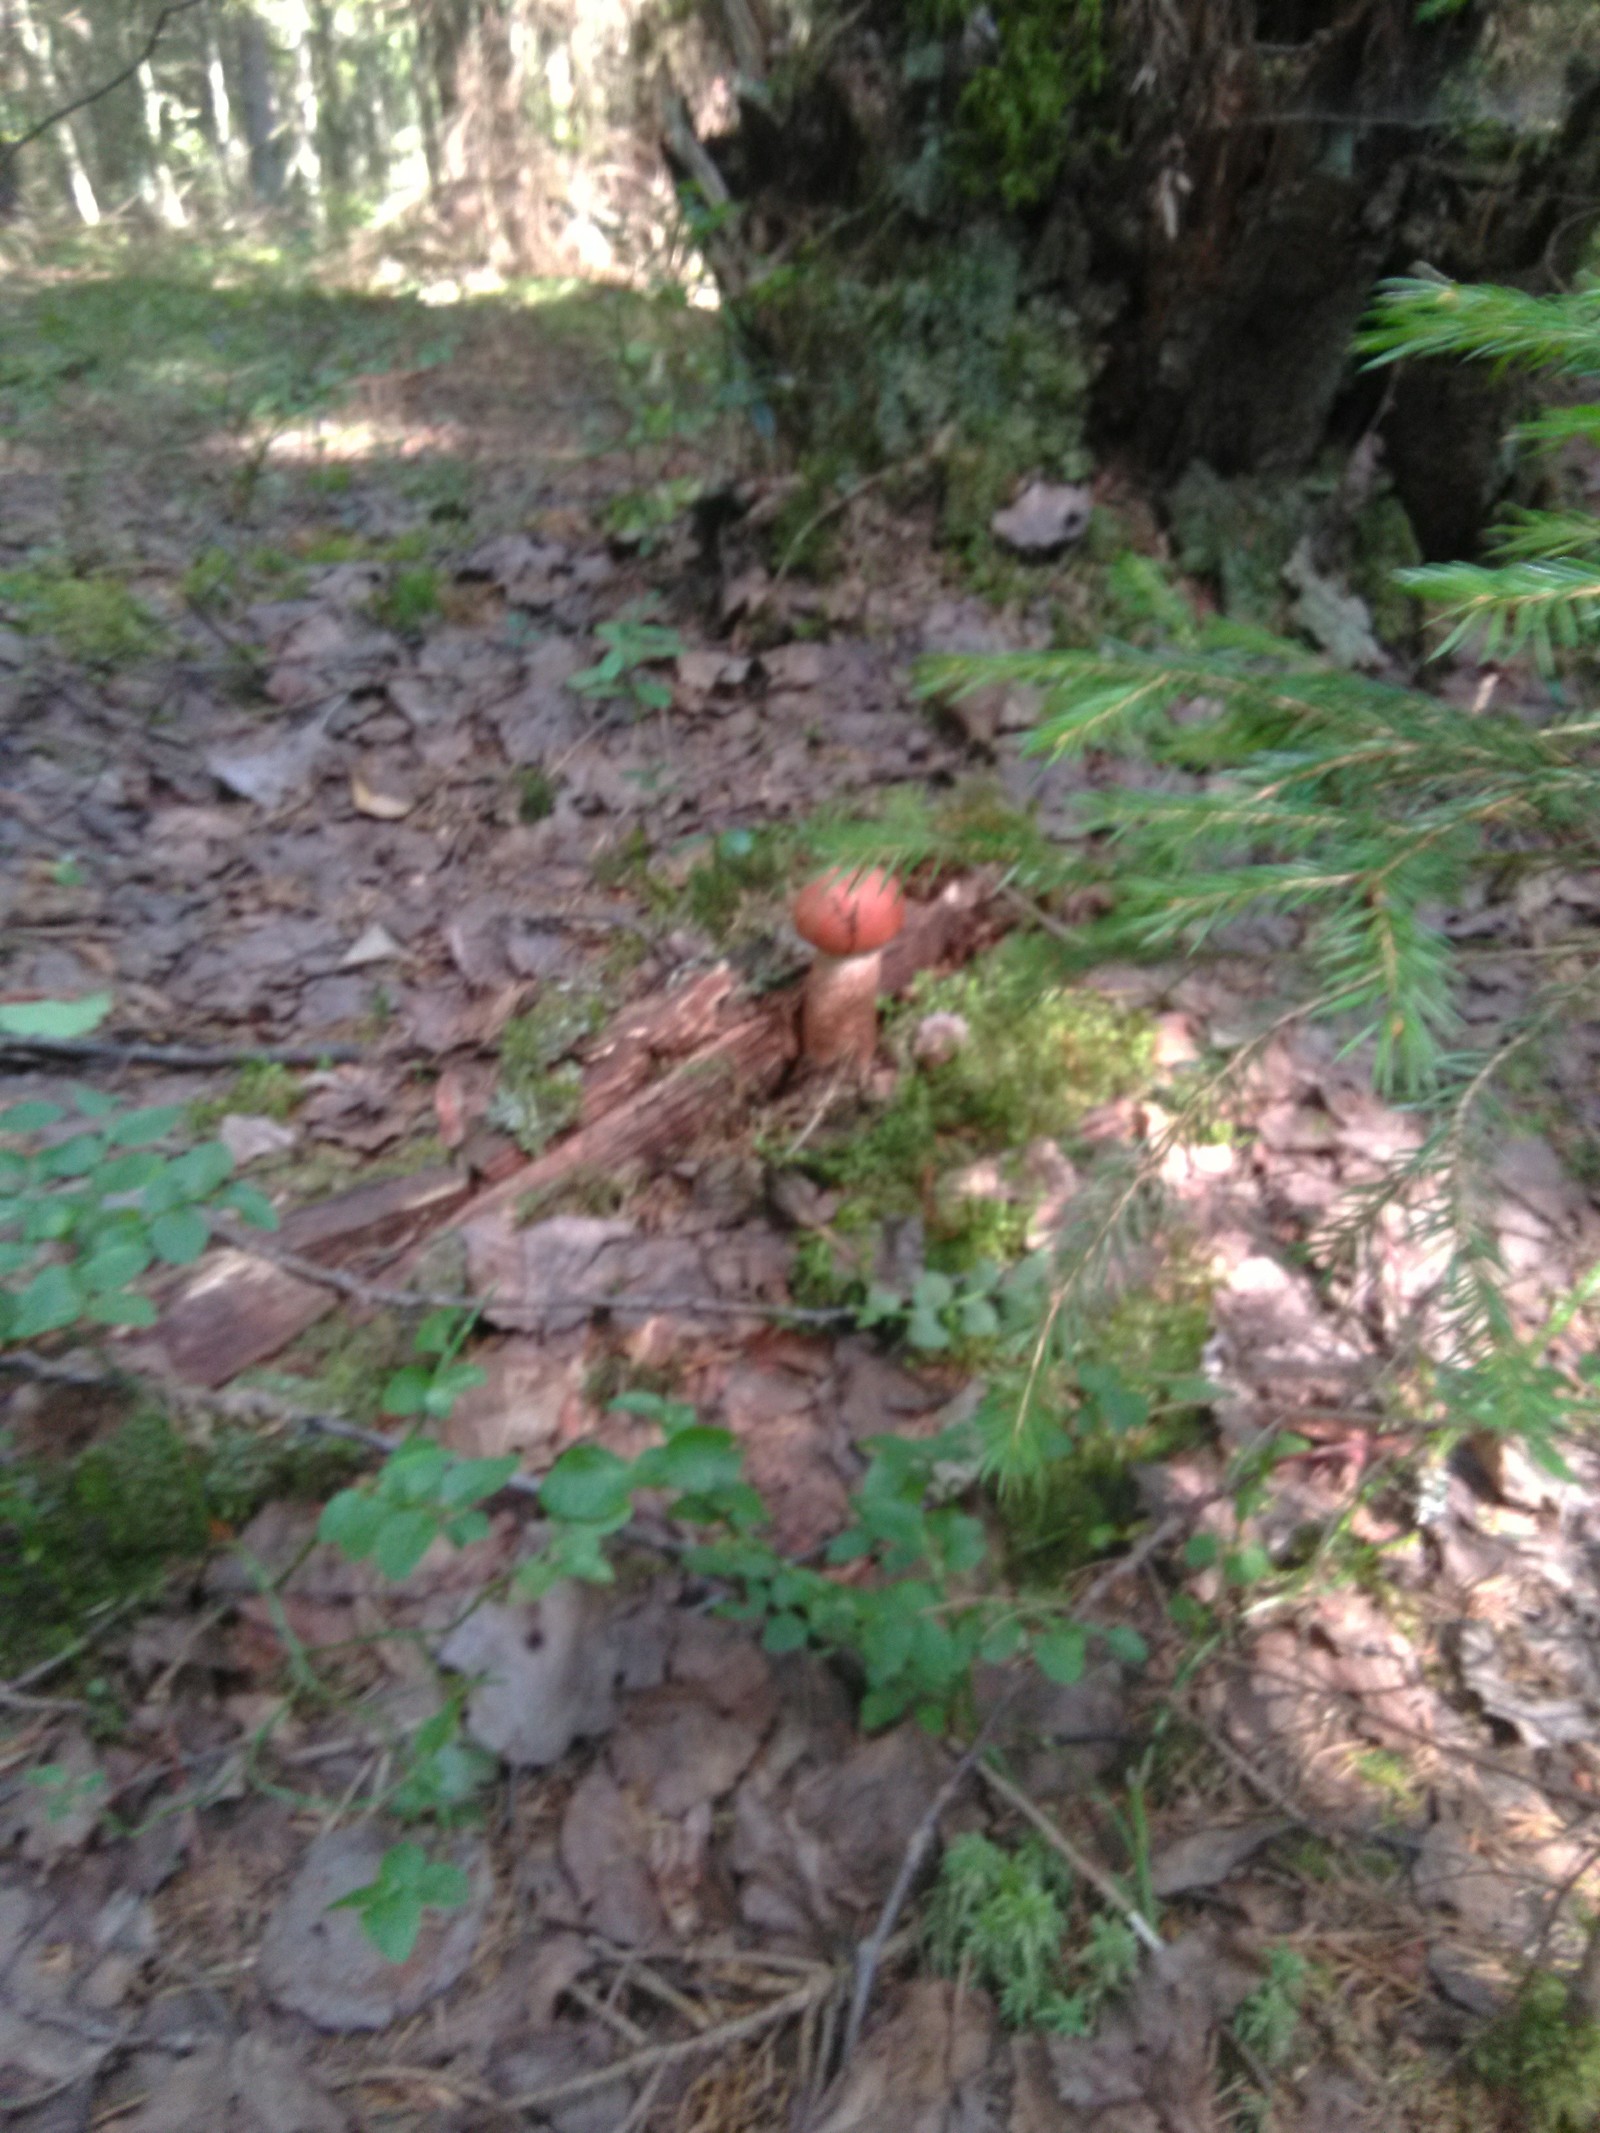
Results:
<point x="1004" y="1916"/>
<point x="260" y="1089"/>
<point x="432" y="1385"/>
<point x="92" y="1198"/>
<point x="92" y="616"/>
<point x="913" y="1626"/>
<point x="536" y="1097"/>
<point x="422" y="1494"/>
<point x="409" y="1884"/>
<point x="1543" y="591"/>
<point x="633" y="646"/>
<point x="1268" y="2019"/>
<point x="950" y="356"/>
<point x="741" y="864"/>
<point x="410" y="600"/>
<point x="1544" y="2058"/>
<point x="1016" y="116"/>
<point x="175" y="354"/>
<point x="77" y="1534"/>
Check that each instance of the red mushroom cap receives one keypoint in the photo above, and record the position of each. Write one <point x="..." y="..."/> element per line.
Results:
<point x="850" y="914"/>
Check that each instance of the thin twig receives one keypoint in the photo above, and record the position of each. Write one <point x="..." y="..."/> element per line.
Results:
<point x="379" y="1297"/>
<point x="1096" y="1875"/>
<point x="870" y="1953"/>
<point x="659" y="2055"/>
<point x="186" y="1058"/>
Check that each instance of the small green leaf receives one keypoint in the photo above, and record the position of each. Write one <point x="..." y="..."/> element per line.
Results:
<point x="251" y="1205"/>
<point x="406" y="1392"/>
<point x="1247" y="1565"/>
<point x="469" y="1481"/>
<point x="1002" y="1641"/>
<point x="1061" y="1652"/>
<point x="128" y="1173"/>
<point x="180" y="1236"/>
<point x="587" y="1485"/>
<point x="696" y="1461"/>
<point x="121" y="1309"/>
<point x="31" y="1117"/>
<point x="141" y="1129"/>
<point x="784" y="1633"/>
<point x="93" y="1103"/>
<point x="404" y="1538"/>
<point x="73" y="1158"/>
<point x="1201" y="1551"/>
<point x="50" y="1301"/>
<point x="58" y="1019"/>
<point x="114" y="1265"/>
<point x="1124" y="1642"/>
<point x="351" y="1521"/>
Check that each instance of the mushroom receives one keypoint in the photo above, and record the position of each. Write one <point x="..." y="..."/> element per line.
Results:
<point x="848" y="918"/>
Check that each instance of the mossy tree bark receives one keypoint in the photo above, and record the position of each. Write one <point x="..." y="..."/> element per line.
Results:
<point x="1221" y="203"/>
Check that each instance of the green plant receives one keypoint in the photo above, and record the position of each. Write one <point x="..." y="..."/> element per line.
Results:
<point x="1005" y="1914"/>
<point x="432" y="1385"/>
<point x="536" y="1097"/>
<point x="92" y="616"/>
<point x="1267" y="2020"/>
<point x="536" y="795"/>
<point x="421" y="1494"/>
<point x="1543" y="2055"/>
<point x="409" y="1884"/>
<point x="914" y="1625"/>
<point x="410" y="599"/>
<point x="85" y="1213"/>
<point x="633" y="645"/>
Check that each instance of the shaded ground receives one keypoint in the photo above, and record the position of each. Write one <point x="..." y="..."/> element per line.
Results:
<point x="292" y="595"/>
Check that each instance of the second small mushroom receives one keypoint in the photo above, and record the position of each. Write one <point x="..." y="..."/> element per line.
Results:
<point x="849" y="918"/>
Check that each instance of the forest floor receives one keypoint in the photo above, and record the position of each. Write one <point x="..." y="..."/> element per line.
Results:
<point x="293" y="587"/>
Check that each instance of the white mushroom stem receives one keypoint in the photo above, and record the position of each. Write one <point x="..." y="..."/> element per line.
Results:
<point x="839" y="1017"/>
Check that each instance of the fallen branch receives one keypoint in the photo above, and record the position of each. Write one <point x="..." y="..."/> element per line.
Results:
<point x="378" y="1297"/>
<point x="659" y="2055"/>
<point x="1096" y="1876"/>
<point x="185" y="1058"/>
<point x="870" y="1954"/>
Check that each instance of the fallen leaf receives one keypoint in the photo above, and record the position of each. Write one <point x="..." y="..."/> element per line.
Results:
<point x="384" y="802"/>
<point x="544" y="1674"/>
<point x="251" y="2086"/>
<point x="318" y="1962"/>
<point x="604" y="1846"/>
<point x="376" y="945"/>
<point x="1046" y="517"/>
<point x="1206" y="1856"/>
<point x="249" y="1139"/>
<point x="270" y="776"/>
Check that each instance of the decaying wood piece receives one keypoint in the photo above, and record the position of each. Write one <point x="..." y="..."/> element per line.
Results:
<point x="233" y="1311"/>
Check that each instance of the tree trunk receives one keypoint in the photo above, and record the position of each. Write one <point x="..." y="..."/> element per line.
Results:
<point x="1216" y="196"/>
<point x="258" y="108"/>
<point x="37" y="46"/>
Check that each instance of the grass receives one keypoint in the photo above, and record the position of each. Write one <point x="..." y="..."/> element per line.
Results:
<point x="91" y="616"/>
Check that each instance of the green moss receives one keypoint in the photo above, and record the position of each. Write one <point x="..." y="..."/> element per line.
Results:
<point x="261" y="1089"/>
<point x="536" y="795"/>
<point x="1240" y="534"/>
<point x="949" y="356"/>
<point x="78" y="1534"/>
<point x="1543" y="2060"/>
<point x="536" y="1097"/>
<point x="92" y="617"/>
<point x="411" y="599"/>
<point x="1383" y="542"/>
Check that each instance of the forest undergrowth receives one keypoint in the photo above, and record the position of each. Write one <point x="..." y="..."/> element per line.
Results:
<point x="1162" y="1258"/>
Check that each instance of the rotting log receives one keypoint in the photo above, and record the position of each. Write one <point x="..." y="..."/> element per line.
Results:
<point x="233" y="1311"/>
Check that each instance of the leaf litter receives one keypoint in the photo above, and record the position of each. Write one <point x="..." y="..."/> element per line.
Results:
<point x="408" y="840"/>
